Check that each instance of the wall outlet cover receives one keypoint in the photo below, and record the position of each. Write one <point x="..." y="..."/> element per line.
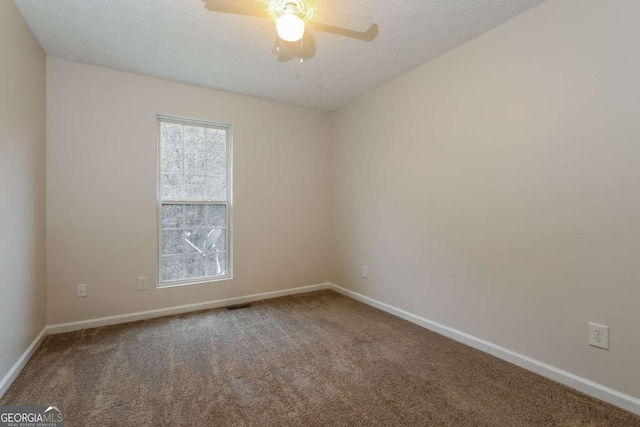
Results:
<point x="82" y="290"/>
<point x="598" y="336"/>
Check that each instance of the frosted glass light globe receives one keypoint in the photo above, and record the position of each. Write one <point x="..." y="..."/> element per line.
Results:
<point x="290" y="28"/>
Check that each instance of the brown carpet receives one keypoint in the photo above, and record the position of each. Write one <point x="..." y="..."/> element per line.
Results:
<point x="317" y="359"/>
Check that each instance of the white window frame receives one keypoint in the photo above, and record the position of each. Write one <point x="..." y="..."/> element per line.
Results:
<point x="229" y="202"/>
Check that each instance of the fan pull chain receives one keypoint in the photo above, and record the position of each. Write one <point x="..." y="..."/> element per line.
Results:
<point x="301" y="59"/>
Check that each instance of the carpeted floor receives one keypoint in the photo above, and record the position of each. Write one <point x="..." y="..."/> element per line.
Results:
<point x="317" y="359"/>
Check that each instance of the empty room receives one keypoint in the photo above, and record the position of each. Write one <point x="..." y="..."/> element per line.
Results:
<point x="319" y="213"/>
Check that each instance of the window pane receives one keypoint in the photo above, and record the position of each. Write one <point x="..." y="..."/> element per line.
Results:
<point x="172" y="242"/>
<point x="170" y="135"/>
<point x="217" y="264"/>
<point x="190" y="228"/>
<point x="216" y="188"/>
<point x="216" y="140"/>
<point x="172" y="216"/>
<point x="194" y="187"/>
<point x="172" y="268"/>
<point x="216" y="163"/>
<point x="193" y="138"/>
<point x="216" y="215"/>
<point x="195" y="240"/>
<point x="195" y="215"/>
<point x="216" y="240"/>
<point x="194" y="162"/>
<point x="171" y="160"/>
<point x="194" y="266"/>
<point x="172" y="187"/>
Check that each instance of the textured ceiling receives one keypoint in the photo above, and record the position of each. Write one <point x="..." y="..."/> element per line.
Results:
<point x="183" y="41"/>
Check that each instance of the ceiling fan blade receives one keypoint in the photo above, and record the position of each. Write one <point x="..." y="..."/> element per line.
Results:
<point x="347" y="21"/>
<point x="238" y="7"/>
<point x="367" y="36"/>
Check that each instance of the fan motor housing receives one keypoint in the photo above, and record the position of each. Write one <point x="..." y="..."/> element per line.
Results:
<point x="302" y="8"/>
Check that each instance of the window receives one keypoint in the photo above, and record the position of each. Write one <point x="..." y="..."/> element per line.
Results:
<point x="194" y="201"/>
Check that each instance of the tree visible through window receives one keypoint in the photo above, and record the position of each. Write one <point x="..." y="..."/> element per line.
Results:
<point x="194" y="201"/>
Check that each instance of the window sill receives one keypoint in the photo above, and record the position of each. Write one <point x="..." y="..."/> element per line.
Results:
<point x="189" y="282"/>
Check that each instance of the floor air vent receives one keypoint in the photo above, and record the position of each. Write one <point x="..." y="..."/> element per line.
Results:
<point x="238" y="306"/>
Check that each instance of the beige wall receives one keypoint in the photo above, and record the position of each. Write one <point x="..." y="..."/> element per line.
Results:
<point x="101" y="189"/>
<point x="493" y="190"/>
<point x="22" y="186"/>
<point x="496" y="190"/>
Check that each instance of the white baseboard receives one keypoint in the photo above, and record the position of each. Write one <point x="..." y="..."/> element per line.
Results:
<point x="584" y="385"/>
<point x="162" y="312"/>
<point x="22" y="361"/>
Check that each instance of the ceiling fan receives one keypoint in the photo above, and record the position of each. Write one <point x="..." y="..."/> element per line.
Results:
<point x="291" y="18"/>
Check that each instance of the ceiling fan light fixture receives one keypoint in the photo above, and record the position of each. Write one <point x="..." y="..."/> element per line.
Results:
<point x="290" y="27"/>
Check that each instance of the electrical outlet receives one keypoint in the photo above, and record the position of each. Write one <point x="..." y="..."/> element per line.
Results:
<point x="365" y="271"/>
<point x="599" y="336"/>
<point x="142" y="283"/>
<point x="82" y="290"/>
